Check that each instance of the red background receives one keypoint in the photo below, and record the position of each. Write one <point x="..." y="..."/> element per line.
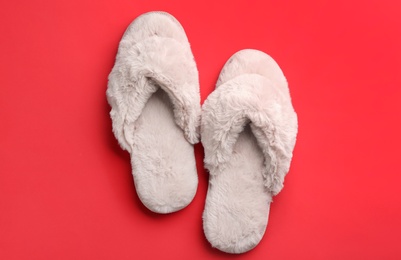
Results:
<point x="66" y="190"/>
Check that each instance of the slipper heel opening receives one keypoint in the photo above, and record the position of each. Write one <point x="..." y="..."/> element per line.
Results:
<point x="163" y="161"/>
<point x="237" y="204"/>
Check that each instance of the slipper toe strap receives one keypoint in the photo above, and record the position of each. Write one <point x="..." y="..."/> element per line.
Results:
<point x="151" y="64"/>
<point x="252" y="99"/>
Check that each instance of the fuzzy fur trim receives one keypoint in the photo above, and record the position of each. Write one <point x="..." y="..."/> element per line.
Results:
<point x="154" y="52"/>
<point x="257" y="95"/>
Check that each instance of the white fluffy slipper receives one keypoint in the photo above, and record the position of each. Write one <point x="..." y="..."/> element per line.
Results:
<point x="248" y="131"/>
<point x="153" y="90"/>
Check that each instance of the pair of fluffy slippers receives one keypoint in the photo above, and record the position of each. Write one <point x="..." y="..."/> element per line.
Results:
<point x="248" y="128"/>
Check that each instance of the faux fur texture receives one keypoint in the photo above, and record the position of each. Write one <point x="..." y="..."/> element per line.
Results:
<point x="257" y="94"/>
<point x="237" y="204"/>
<point x="248" y="163"/>
<point x="158" y="129"/>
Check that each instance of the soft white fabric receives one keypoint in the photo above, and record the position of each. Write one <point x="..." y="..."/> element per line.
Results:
<point x="154" y="56"/>
<point x="251" y="90"/>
